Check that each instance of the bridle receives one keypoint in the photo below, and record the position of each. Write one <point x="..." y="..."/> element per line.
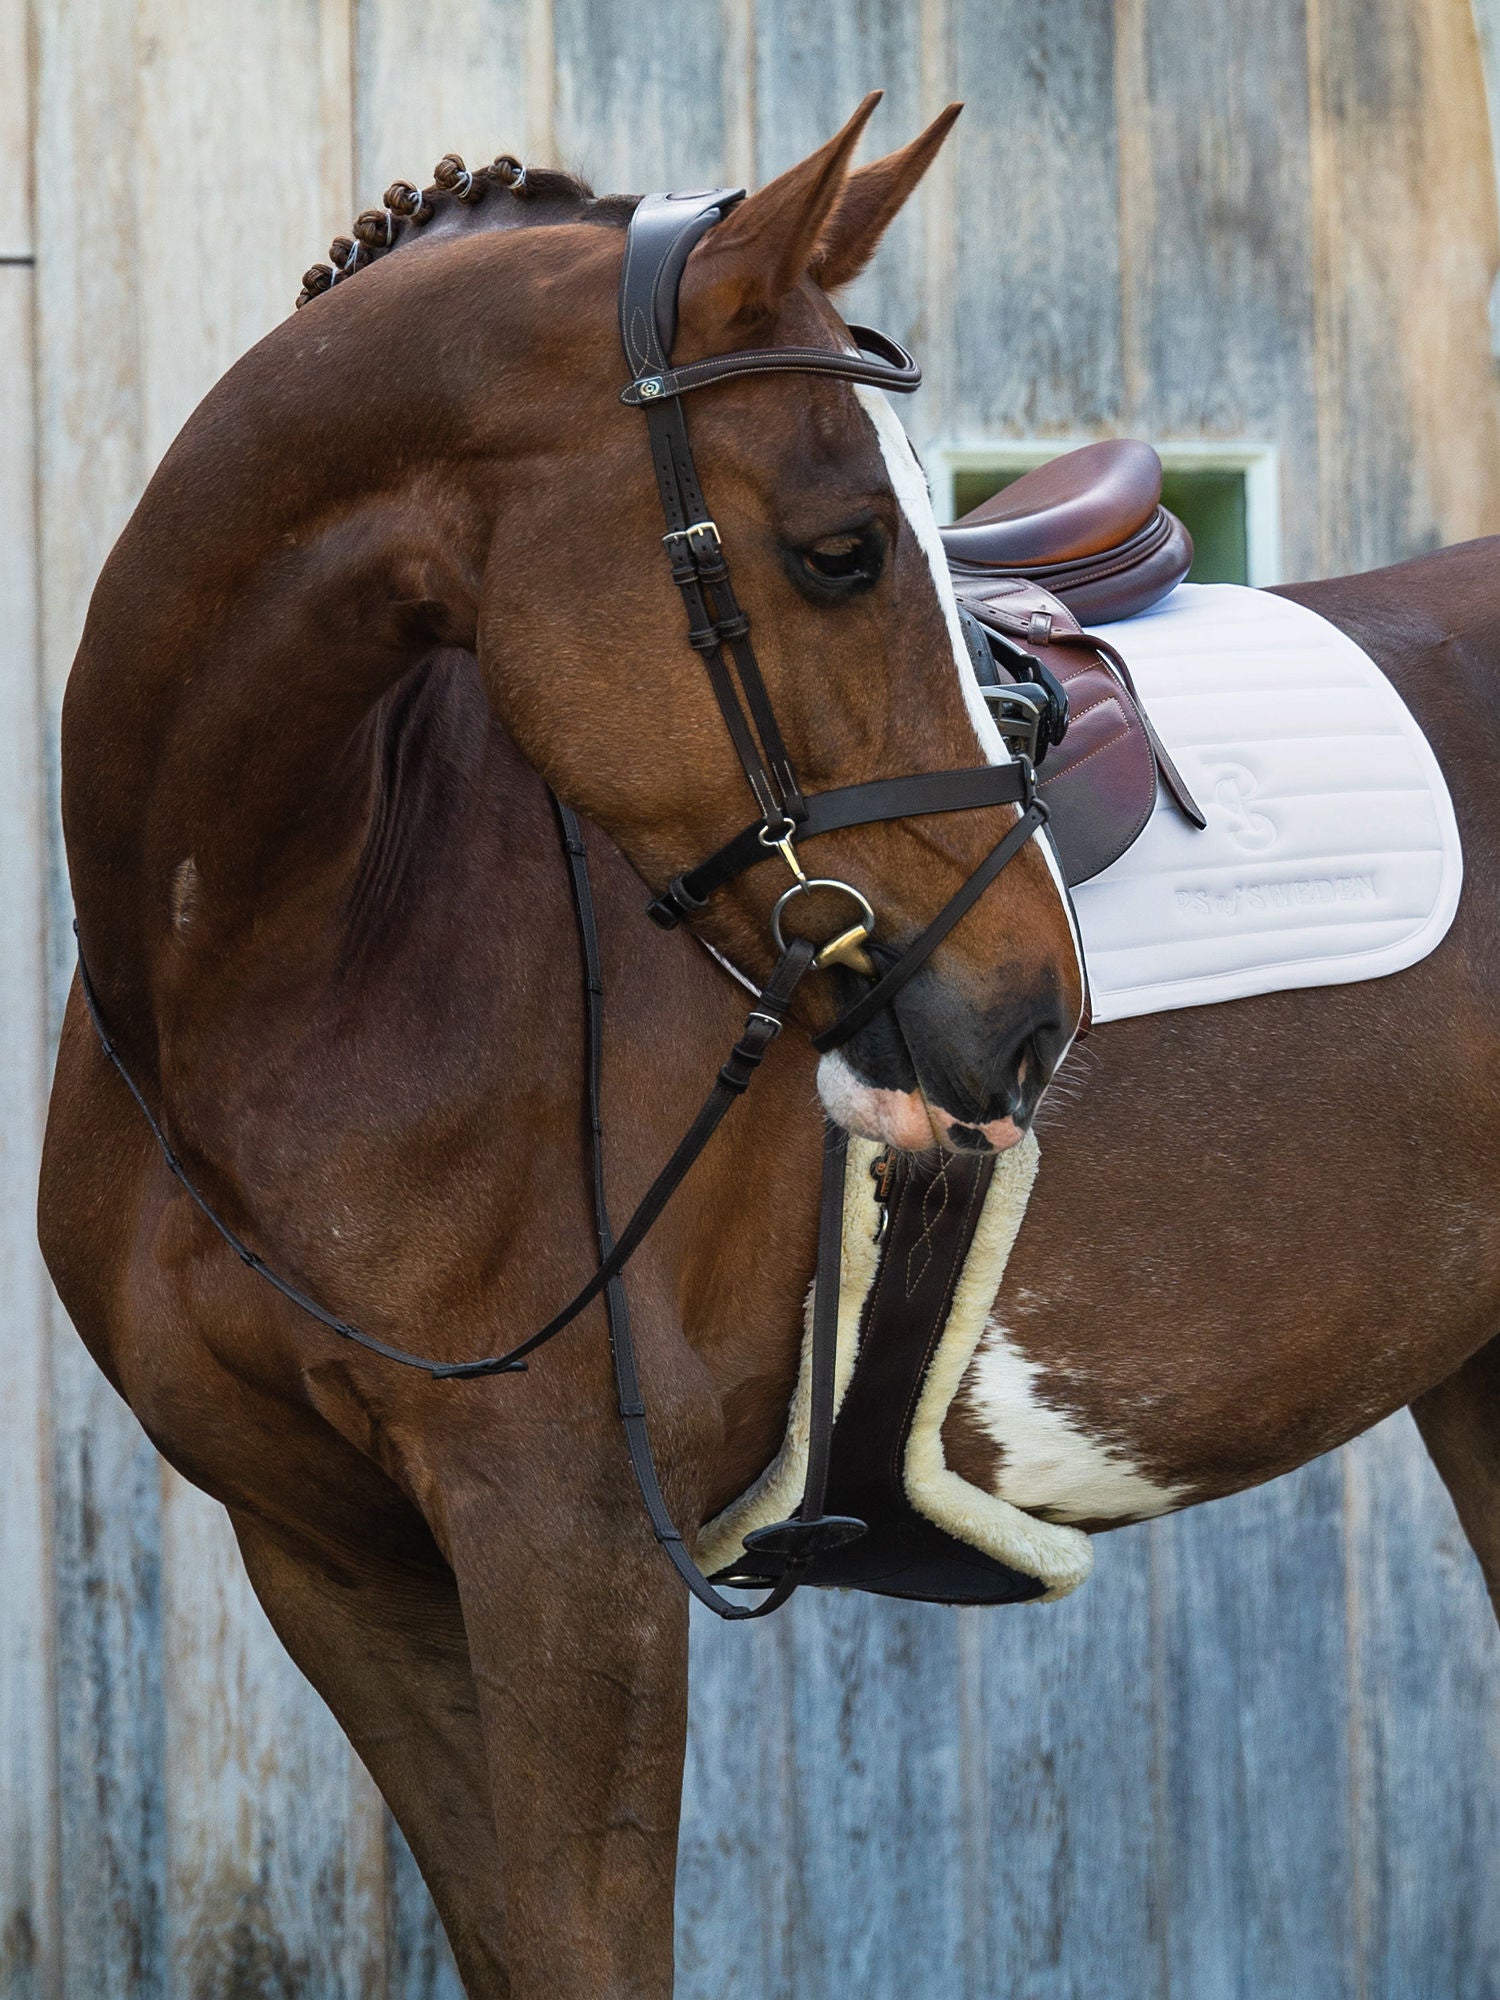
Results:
<point x="661" y="234"/>
<point x="663" y="231"/>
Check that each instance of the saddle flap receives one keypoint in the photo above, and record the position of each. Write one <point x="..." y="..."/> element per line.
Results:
<point x="1100" y="781"/>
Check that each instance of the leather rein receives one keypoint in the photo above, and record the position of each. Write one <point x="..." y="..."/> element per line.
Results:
<point x="663" y="231"/>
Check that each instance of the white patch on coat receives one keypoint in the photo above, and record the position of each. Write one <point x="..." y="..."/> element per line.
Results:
<point x="910" y="486"/>
<point x="1051" y="1465"/>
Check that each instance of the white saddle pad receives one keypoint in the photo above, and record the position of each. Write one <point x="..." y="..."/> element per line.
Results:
<point x="1331" y="851"/>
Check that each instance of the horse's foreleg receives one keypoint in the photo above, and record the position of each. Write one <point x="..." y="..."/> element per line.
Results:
<point x="384" y="1645"/>
<point x="577" y="1632"/>
<point x="1460" y="1425"/>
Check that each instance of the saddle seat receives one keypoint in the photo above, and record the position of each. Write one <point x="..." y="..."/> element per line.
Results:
<point x="1088" y="526"/>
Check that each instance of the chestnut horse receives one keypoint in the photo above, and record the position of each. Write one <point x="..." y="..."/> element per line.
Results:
<point x="398" y="575"/>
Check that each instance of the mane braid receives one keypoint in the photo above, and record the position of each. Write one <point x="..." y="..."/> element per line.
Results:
<point x="502" y="195"/>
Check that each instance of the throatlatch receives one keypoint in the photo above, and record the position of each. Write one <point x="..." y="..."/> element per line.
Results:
<point x="661" y="235"/>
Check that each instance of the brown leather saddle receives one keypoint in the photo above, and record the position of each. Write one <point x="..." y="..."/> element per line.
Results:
<point x="1085" y="536"/>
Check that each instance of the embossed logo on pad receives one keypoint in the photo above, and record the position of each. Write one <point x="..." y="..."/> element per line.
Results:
<point x="1234" y="788"/>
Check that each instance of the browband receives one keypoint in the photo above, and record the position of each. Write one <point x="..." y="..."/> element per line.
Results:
<point x="663" y="233"/>
<point x="881" y="361"/>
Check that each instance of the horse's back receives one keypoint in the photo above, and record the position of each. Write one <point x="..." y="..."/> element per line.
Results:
<point x="1432" y="622"/>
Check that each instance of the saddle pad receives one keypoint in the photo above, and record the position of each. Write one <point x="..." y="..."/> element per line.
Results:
<point x="1331" y="851"/>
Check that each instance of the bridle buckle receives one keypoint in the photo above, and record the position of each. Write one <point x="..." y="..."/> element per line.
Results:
<point x="699" y="541"/>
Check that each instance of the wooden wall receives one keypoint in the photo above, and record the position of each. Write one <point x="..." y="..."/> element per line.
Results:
<point x="1258" y="1758"/>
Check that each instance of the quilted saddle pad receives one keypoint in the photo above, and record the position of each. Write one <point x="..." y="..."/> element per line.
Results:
<point x="1331" y="851"/>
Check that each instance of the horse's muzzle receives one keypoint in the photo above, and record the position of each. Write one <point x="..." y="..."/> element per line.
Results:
<point x="935" y="1071"/>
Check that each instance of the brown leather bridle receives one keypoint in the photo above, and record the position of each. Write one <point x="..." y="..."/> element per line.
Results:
<point x="661" y="234"/>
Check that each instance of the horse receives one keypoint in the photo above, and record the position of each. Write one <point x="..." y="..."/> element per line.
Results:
<point x="396" y="583"/>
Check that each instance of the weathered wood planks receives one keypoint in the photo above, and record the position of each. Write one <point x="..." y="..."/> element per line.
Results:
<point x="1424" y="1731"/>
<point x="29" y="1938"/>
<point x="106" y="1580"/>
<point x="1062" y="1757"/>
<point x="1034" y="312"/>
<point x="1216" y="237"/>
<point x="812" y="68"/>
<point x="16" y="237"/>
<point x="1260" y="1754"/>
<point x="446" y="78"/>
<point x="1406" y="251"/>
<point x="738" y="1897"/>
<point x="638" y="96"/>
<point x="1252" y="1693"/>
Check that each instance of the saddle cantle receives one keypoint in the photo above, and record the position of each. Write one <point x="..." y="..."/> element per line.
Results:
<point x="1084" y="535"/>
<point x="1088" y="526"/>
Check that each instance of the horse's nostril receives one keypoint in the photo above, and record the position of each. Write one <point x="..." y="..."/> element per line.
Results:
<point x="1005" y="1093"/>
<point x="969" y="1139"/>
<point x="1033" y="1070"/>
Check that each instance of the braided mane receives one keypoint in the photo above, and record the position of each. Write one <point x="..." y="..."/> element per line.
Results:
<point x="503" y="195"/>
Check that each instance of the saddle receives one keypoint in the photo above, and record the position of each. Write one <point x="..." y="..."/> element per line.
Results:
<point x="1085" y="536"/>
<point x="1088" y="526"/>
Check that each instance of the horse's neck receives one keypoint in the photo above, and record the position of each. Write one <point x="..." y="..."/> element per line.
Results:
<point x="327" y="907"/>
<point x="400" y="983"/>
<point x="428" y="1061"/>
<point x="281" y="577"/>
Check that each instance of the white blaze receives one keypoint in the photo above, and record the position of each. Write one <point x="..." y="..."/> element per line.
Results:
<point x="910" y="486"/>
<point x="915" y="501"/>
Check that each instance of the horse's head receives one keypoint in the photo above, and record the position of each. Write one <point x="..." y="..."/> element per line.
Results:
<point x="829" y="534"/>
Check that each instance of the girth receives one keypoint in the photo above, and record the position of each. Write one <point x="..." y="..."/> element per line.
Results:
<point x="661" y="236"/>
<point x="901" y="1553"/>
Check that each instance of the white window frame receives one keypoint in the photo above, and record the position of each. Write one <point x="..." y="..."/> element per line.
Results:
<point x="1258" y="463"/>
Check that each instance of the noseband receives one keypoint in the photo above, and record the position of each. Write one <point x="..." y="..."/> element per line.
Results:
<point x="661" y="234"/>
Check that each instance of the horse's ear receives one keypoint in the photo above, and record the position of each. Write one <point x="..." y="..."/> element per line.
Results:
<point x="869" y="202"/>
<point x="749" y="262"/>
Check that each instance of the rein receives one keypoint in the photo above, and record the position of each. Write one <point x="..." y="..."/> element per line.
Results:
<point x="662" y="233"/>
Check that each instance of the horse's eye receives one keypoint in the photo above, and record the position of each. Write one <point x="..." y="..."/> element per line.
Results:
<point x="840" y="556"/>
<point x="837" y="566"/>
